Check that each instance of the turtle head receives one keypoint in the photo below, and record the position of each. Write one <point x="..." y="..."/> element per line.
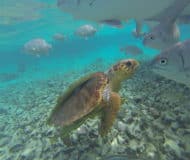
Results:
<point x="121" y="71"/>
<point x="124" y="68"/>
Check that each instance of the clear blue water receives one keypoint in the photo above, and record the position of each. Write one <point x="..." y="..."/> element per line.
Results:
<point x="24" y="79"/>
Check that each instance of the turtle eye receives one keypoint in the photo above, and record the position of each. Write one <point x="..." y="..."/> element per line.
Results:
<point x="163" y="61"/>
<point x="128" y="64"/>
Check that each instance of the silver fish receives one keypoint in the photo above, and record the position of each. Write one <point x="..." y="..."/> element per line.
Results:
<point x="108" y="9"/>
<point x="131" y="49"/>
<point x="166" y="32"/>
<point x="174" y="63"/>
<point x="85" y="31"/>
<point x="113" y="22"/>
<point x="37" y="47"/>
<point x="58" y="36"/>
<point x="102" y="10"/>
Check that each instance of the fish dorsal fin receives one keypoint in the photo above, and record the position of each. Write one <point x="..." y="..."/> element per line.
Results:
<point x="171" y="13"/>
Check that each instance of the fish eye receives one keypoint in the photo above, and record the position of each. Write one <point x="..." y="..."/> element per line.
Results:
<point x="128" y="64"/>
<point x="152" y="37"/>
<point x="163" y="61"/>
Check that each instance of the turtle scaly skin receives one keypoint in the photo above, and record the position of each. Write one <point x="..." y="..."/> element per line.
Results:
<point x="79" y="100"/>
<point x="92" y="95"/>
<point x="109" y="113"/>
<point x="118" y="73"/>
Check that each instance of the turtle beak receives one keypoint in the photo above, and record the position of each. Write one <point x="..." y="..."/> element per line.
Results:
<point x="135" y="64"/>
<point x="131" y="64"/>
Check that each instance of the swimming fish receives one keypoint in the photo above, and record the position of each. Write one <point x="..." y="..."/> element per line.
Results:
<point x="166" y="32"/>
<point x="99" y="10"/>
<point x="131" y="49"/>
<point x="37" y="47"/>
<point x="85" y="31"/>
<point x="174" y="63"/>
<point x="58" y="36"/>
<point x="113" y="22"/>
<point x="120" y="10"/>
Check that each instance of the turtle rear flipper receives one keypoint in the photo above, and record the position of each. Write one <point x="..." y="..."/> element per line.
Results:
<point x="109" y="113"/>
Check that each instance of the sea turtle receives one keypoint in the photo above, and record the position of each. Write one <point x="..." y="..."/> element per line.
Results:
<point x="92" y="95"/>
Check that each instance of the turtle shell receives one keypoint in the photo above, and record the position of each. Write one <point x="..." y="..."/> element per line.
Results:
<point x="79" y="100"/>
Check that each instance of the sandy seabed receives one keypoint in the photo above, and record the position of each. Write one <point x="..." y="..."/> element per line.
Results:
<point x="153" y="122"/>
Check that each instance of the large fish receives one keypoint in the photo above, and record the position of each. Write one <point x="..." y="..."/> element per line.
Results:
<point x="99" y="10"/>
<point x="166" y="32"/>
<point x="107" y="10"/>
<point x="174" y="63"/>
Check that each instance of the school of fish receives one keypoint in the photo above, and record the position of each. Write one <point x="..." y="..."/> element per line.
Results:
<point x="173" y="61"/>
<point x="164" y="17"/>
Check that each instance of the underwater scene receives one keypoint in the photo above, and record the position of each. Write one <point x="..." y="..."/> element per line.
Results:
<point x="95" y="80"/>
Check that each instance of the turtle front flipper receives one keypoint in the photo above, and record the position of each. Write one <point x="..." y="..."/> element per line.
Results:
<point x="109" y="113"/>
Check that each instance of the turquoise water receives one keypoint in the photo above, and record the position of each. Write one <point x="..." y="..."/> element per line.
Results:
<point x="30" y="86"/>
